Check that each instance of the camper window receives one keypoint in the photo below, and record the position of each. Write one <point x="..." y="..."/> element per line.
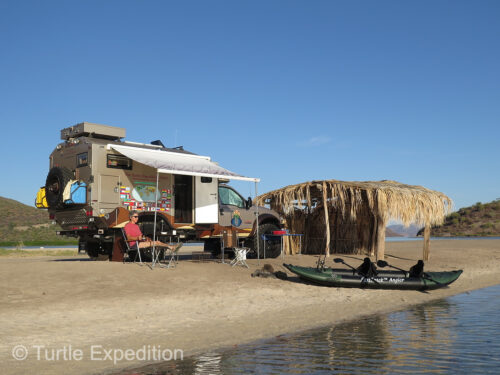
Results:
<point x="119" y="162"/>
<point x="229" y="196"/>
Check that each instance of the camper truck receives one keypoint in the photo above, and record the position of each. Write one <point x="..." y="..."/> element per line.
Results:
<point x="96" y="177"/>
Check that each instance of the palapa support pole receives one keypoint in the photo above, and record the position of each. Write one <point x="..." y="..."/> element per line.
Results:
<point x="427" y="242"/>
<point x="257" y="237"/>
<point x="374" y="236"/>
<point x="327" y="221"/>
<point x="380" y="246"/>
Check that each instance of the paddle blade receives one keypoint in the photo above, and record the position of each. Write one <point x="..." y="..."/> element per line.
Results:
<point x="338" y="260"/>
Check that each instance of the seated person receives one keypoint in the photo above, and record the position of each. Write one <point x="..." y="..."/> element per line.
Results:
<point x="418" y="269"/>
<point x="135" y="236"/>
<point x="367" y="268"/>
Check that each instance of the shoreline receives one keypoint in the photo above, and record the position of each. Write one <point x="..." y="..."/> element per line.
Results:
<point x="261" y="340"/>
<point x="199" y="307"/>
<point x="388" y="239"/>
<point x="383" y="311"/>
<point x="300" y="330"/>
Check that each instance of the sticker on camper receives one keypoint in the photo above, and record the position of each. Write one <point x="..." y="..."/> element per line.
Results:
<point x="236" y="219"/>
<point x="125" y="193"/>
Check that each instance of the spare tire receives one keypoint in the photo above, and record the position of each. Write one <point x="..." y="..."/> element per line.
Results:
<point x="56" y="181"/>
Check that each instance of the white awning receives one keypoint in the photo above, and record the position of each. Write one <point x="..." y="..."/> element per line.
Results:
<point x="178" y="163"/>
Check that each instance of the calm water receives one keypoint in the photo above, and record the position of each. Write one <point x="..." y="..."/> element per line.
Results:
<point x="388" y="239"/>
<point x="457" y="335"/>
<point x="406" y="239"/>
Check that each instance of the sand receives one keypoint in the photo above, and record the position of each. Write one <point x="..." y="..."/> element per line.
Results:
<point x="50" y="303"/>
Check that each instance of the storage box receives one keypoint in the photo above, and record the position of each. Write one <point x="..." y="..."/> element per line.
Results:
<point x="230" y="238"/>
<point x="78" y="193"/>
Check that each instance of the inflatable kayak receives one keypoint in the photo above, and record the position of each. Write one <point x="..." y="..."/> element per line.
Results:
<point x="383" y="280"/>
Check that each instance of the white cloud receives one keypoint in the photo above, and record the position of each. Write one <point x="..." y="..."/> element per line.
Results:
<point x="316" y="141"/>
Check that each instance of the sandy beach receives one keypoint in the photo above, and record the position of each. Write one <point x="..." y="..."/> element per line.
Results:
<point x="55" y="302"/>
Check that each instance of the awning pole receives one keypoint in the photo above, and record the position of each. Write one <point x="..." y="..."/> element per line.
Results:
<point x="257" y="223"/>
<point x="154" y="227"/>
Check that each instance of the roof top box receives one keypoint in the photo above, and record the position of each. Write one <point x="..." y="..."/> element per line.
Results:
<point x="93" y="130"/>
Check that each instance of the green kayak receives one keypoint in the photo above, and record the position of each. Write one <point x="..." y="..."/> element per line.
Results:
<point x="383" y="280"/>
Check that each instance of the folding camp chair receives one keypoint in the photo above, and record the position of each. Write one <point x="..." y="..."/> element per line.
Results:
<point x="129" y="249"/>
<point x="173" y="256"/>
<point x="240" y="257"/>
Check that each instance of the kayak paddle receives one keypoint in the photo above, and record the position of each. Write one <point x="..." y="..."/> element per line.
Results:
<point x="383" y="263"/>
<point x="340" y="260"/>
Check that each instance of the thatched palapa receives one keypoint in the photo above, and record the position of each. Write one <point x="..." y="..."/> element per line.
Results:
<point x="350" y="217"/>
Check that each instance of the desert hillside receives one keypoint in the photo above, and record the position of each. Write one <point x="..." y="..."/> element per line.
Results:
<point x="27" y="224"/>
<point x="481" y="219"/>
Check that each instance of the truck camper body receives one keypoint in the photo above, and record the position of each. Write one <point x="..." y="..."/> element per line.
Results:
<point x="96" y="178"/>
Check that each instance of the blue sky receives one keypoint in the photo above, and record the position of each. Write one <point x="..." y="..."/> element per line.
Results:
<point x="288" y="91"/>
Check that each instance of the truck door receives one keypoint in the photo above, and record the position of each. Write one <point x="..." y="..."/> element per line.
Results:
<point x="206" y="201"/>
<point x="109" y="189"/>
<point x="183" y="199"/>
<point x="233" y="210"/>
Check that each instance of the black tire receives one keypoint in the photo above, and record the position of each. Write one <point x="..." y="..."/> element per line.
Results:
<point x="212" y="245"/>
<point x="94" y="253"/>
<point x="56" y="181"/>
<point x="273" y="248"/>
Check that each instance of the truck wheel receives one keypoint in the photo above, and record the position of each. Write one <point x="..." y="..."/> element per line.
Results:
<point x="92" y="249"/>
<point x="56" y="181"/>
<point x="273" y="248"/>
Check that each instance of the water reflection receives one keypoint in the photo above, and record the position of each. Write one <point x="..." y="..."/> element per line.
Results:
<point x="456" y="335"/>
<point x="208" y="363"/>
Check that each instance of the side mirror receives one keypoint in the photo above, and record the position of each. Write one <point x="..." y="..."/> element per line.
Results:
<point x="249" y="203"/>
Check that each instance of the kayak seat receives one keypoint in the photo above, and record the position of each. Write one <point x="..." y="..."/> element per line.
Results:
<point x="417" y="270"/>
<point x="367" y="268"/>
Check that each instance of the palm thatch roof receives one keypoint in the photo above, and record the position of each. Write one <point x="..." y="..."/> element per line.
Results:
<point x="351" y="216"/>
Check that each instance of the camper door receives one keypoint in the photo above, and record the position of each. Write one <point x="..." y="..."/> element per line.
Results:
<point x="206" y="201"/>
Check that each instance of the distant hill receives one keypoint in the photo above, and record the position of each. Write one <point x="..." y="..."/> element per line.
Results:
<point x="22" y="223"/>
<point x="401" y="231"/>
<point x="481" y="219"/>
<point x="390" y="233"/>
